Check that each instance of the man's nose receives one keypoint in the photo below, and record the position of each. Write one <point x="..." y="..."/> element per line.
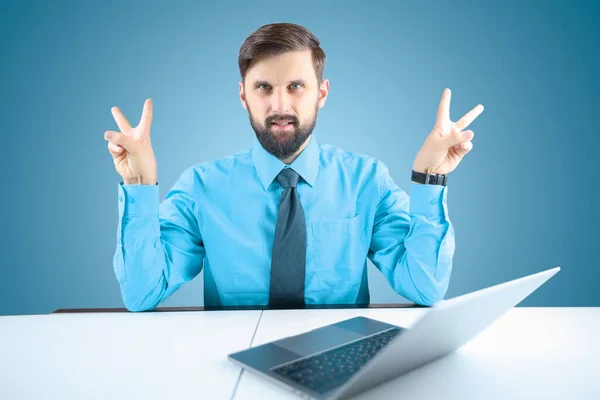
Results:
<point x="280" y="101"/>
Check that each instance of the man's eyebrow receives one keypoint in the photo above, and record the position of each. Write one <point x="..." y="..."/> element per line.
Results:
<point x="260" y="83"/>
<point x="294" y="82"/>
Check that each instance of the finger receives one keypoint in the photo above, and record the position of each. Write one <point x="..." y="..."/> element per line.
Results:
<point x="444" y="107"/>
<point x="463" y="148"/>
<point x="469" y="117"/>
<point x="146" y="119"/>
<point x="115" y="147"/>
<point x="457" y="138"/>
<point x="114" y="150"/>
<point x="121" y="121"/>
<point x="117" y="138"/>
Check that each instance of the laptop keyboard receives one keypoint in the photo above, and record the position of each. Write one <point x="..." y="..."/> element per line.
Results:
<point x="325" y="371"/>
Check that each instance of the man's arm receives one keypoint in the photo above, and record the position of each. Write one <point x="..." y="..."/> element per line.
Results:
<point x="413" y="239"/>
<point x="159" y="247"/>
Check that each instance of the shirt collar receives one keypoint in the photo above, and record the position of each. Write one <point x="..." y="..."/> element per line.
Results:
<point x="268" y="166"/>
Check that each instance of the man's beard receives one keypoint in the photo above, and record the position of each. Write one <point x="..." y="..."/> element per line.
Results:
<point x="285" y="143"/>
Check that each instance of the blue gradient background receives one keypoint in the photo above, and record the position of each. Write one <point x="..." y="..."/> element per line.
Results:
<point x="523" y="200"/>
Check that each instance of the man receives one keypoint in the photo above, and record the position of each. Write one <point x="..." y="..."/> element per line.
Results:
<point x="290" y="221"/>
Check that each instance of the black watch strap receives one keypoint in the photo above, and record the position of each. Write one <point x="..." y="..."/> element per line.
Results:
<point x="429" y="179"/>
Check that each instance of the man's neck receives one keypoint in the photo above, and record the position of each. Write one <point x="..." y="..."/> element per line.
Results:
<point x="291" y="158"/>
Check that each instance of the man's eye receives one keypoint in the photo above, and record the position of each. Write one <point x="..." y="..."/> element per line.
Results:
<point x="267" y="87"/>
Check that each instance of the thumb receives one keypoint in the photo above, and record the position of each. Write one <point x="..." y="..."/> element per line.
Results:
<point x="457" y="138"/>
<point x="117" y="138"/>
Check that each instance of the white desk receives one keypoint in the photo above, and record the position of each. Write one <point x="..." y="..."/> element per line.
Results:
<point x="156" y="355"/>
<point x="529" y="353"/>
<point x="550" y="353"/>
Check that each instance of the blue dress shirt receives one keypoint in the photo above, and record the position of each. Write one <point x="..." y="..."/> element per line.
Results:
<point x="221" y="215"/>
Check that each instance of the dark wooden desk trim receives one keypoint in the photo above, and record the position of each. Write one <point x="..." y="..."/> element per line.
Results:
<point x="238" y="308"/>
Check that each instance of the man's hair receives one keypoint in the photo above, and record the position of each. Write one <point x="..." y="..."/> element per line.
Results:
<point x="279" y="38"/>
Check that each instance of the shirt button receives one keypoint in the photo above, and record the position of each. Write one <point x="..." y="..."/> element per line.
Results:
<point x="131" y="200"/>
<point x="432" y="202"/>
<point x="121" y="199"/>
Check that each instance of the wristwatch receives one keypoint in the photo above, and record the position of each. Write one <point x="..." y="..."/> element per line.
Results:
<point x="429" y="179"/>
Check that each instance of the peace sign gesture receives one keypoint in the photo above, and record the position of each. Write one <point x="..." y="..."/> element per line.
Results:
<point x="131" y="148"/>
<point x="447" y="143"/>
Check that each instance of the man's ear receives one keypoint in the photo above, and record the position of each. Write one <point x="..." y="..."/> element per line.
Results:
<point x="323" y="92"/>
<point x="243" y="96"/>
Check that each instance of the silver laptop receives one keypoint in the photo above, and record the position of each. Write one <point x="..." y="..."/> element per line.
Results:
<point x="342" y="359"/>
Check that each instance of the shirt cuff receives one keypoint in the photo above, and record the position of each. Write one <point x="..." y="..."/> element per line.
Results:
<point x="429" y="200"/>
<point x="138" y="199"/>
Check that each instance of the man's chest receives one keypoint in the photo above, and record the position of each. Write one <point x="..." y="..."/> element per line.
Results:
<point x="238" y="232"/>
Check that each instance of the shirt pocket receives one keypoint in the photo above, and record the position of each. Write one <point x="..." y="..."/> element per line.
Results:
<point x="339" y="251"/>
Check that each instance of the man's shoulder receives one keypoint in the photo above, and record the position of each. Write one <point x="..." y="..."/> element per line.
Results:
<point x="206" y="171"/>
<point x="223" y="164"/>
<point x="334" y="154"/>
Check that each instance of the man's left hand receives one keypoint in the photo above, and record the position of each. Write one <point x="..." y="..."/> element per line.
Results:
<point x="447" y="143"/>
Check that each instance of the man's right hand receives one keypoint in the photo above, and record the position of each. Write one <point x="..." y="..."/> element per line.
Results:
<point x="131" y="148"/>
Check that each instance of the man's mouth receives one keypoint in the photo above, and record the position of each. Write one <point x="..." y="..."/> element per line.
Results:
<point x="283" y="125"/>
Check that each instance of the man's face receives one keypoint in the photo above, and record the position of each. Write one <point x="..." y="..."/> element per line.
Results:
<point x="282" y="96"/>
